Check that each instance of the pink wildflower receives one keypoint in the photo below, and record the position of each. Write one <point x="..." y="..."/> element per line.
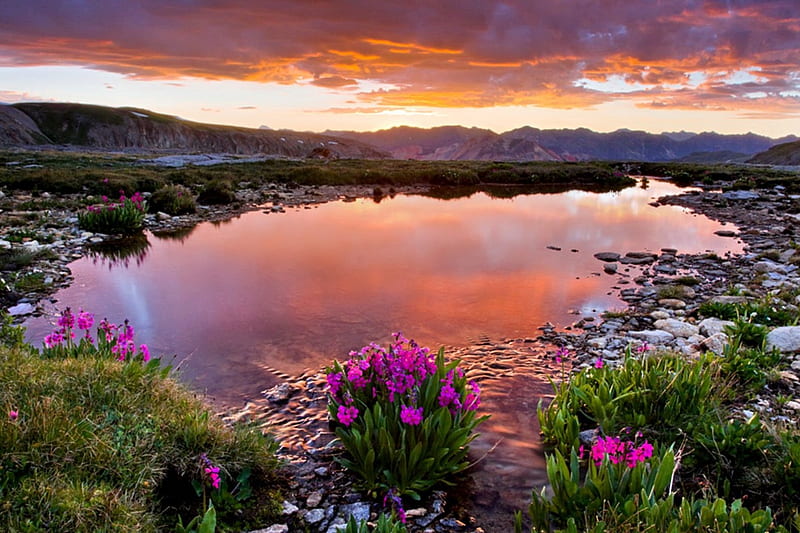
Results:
<point x="598" y="363"/>
<point x="411" y="416"/>
<point x="561" y="354"/>
<point x="334" y="382"/>
<point x="13" y="415"/>
<point x="145" y="351"/>
<point x="85" y="320"/>
<point x="473" y="399"/>
<point x="346" y="414"/>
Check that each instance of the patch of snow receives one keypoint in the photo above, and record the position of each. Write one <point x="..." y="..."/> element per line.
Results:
<point x="141" y="115"/>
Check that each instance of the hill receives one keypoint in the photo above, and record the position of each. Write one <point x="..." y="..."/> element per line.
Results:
<point x="780" y="154"/>
<point x="528" y="143"/>
<point x="108" y="128"/>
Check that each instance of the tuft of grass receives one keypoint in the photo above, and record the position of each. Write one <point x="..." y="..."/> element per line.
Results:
<point x="173" y="200"/>
<point x="99" y="445"/>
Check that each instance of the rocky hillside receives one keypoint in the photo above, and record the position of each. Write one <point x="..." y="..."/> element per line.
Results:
<point x="527" y="143"/>
<point x="780" y="154"/>
<point x="109" y="128"/>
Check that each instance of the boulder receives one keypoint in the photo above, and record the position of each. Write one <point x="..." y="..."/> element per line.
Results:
<point x="654" y="337"/>
<point x="677" y="328"/>
<point x="786" y="339"/>
<point x="715" y="343"/>
<point x="712" y="326"/>
<point x="607" y="256"/>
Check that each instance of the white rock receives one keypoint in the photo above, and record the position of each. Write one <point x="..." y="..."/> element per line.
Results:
<point x="21" y="309"/>
<point x="5" y="245"/>
<point x="794" y="405"/>
<point x="672" y="303"/>
<point x="785" y="339"/>
<point x="289" y="508"/>
<point x="715" y="343"/>
<point x="598" y="342"/>
<point x="659" y="315"/>
<point x="712" y="326"/>
<point x="315" y="516"/>
<point x="277" y="528"/>
<point x="652" y="336"/>
<point x="677" y="328"/>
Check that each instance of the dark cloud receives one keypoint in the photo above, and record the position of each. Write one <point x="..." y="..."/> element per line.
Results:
<point x="447" y="53"/>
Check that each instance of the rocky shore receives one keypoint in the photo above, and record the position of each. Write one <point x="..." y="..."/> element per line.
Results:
<point x="662" y="293"/>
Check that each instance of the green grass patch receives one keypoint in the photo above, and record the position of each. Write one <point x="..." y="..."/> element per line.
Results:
<point x="91" y="443"/>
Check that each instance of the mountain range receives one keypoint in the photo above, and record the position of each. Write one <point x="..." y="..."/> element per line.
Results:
<point x="106" y="128"/>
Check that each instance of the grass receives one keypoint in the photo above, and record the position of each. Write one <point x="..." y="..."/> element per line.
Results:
<point x="102" y="445"/>
<point x="743" y="471"/>
<point x="107" y="174"/>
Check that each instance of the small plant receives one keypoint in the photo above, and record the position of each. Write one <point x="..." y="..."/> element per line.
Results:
<point x="385" y="524"/>
<point x="173" y="200"/>
<point x="216" y="191"/>
<point x="30" y="282"/>
<point x="124" y="217"/>
<point x="404" y="416"/>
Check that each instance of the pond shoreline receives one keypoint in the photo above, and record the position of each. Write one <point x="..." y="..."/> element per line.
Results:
<point x="322" y="492"/>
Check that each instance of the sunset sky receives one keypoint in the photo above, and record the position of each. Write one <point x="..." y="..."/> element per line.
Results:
<point x="657" y="65"/>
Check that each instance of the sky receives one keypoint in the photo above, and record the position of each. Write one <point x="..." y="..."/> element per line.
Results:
<point x="731" y="66"/>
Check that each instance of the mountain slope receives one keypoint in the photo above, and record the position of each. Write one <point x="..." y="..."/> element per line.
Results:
<point x="17" y="128"/>
<point x="780" y="154"/>
<point x="129" y="128"/>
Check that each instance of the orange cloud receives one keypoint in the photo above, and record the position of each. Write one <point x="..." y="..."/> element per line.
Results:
<point x="468" y="53"/>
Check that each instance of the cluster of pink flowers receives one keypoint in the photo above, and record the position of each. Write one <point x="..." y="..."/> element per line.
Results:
<point x="66" y="326"/>
<point x="136" y="201"/>
<point x="619" y="451"/>
<point x="117" y="337"/>
<point x="211" y="471"/>
<point x="13" y="414"/>
<point x="394" y="375"/>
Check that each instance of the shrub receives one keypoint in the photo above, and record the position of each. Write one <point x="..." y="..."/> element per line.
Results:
<point x="102" y="439"/>
<point x="173" y="200"/>
<point x="661" y="395"/>
<point x="405" y="417"/>
<point x="609" y="486"/>
<point x="216" y="191"/>
<point x="125" y="217"/>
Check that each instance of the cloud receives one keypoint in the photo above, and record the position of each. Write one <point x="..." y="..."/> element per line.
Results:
<point x="471" y="53"/>
<point x="335" y="82"/>
<point x="246" y="107"/>
<point x="10" y="97"/>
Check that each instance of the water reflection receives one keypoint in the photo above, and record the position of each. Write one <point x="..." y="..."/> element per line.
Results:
<point x="119" y="252"/>
<point x="178" y="234"/>
<point x="292" y="291"/>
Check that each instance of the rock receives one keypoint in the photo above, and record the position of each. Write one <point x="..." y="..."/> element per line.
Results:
<point x="729" y="299"/>
<point x="628" y="260"/>
<point x="641" y="255"/>
<point x="712" y="326"/>
<point x="655" y="337"/>
<point x="786" y="339"/>
<point x="163" y="217"/>
<point x="794" y="405"/>
<point x="607" y="256"/>
<point x="5" y="245"/>
<point x="279" y="393"/>
<point x="359" y="511"/>
<point x="556" y="248"/>
<point x="314" y="516"/>
<point x="677" y="328"/>
<point x="672" y="303"/>
<point x="21" y="309"/>
<point x="768" y="266"/>
<point x="597" y="342"/>
<point x="740" y="195"/>
<point x="289" y="508"/>
<point x="610" y="268"/>
<point x="277" y="528"/>
<point x="587" y="437"/>
<point x="314" y="499"/>
<point x="715" y="343"/>
<point x="725" y="233"/>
